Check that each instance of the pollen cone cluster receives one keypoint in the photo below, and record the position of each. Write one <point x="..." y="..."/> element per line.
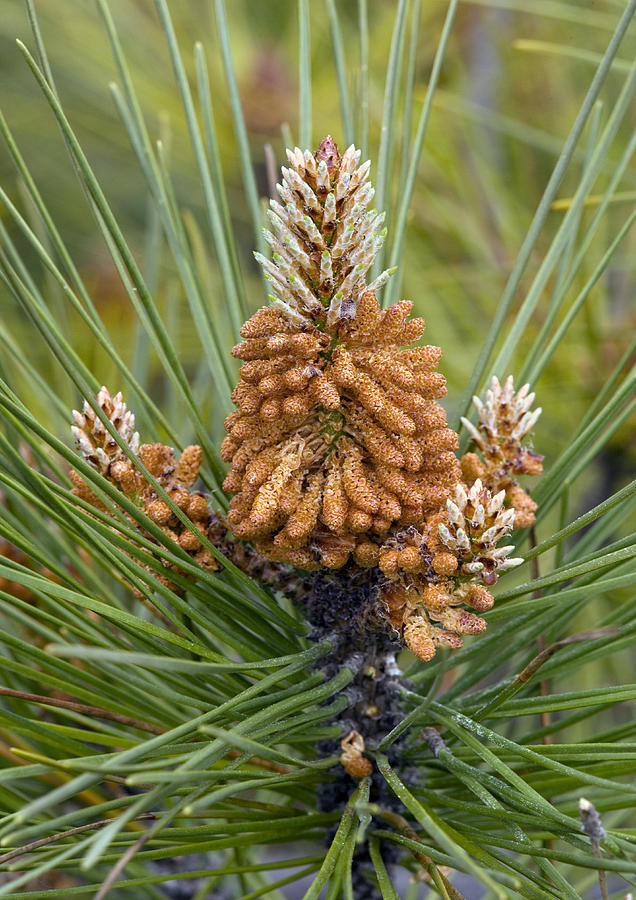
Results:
<point x="451" y="559"/>
<point x="340" y="453"/>
<point x="505" y="420"/>
<point x="337" y="438"/>
<point x="176" y="476"/>
<point x="433" y="573"/>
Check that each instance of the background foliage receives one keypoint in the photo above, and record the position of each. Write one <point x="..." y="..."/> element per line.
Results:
<point x="142" y="286"/>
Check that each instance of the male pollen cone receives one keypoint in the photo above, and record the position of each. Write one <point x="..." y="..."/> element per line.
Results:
<point x="337" y="437"/>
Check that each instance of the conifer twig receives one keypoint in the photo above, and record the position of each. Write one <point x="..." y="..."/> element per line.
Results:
<point x="52" y="838"/>
<point x="85" y="709"/>
<point x="542" y="657"/>
<point x="82" y="708"/>
<point x="121" y="864"/>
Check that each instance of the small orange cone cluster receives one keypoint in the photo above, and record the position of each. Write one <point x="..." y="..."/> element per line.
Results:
<point x="176" y="476"/>
<point x="338" y="437"/>
<point x="431" y="573"/>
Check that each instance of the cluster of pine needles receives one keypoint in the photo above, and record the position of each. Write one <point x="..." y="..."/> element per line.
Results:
<point x="205" y="691"/>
